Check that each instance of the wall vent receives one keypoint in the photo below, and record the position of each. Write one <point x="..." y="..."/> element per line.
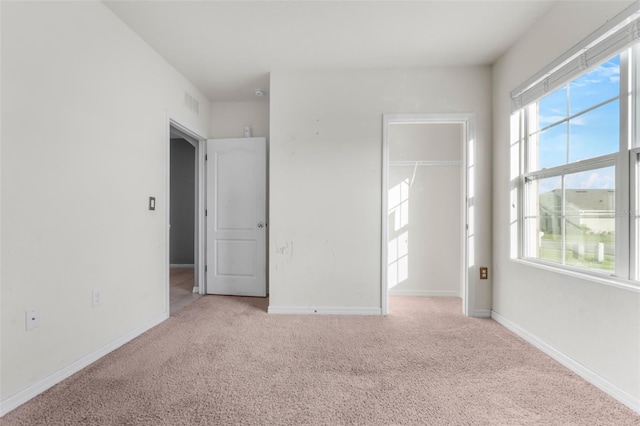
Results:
<point x="191" y="103"/>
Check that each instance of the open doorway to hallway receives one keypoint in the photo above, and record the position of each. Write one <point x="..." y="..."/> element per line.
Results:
<point x="181" y="292"/>
<point x="183" y="216"/>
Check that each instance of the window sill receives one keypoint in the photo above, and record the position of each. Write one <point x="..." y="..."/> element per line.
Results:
<point x="618" y="283"/>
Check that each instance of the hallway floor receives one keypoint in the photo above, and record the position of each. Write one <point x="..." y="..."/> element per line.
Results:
<point x="181" y="289"/>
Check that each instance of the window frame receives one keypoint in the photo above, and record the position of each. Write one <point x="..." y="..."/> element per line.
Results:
<point x="634" y="214"/>
<point x="627" y="170"/>
<point x="618" y="34"/>
<point x="528" y="244"/>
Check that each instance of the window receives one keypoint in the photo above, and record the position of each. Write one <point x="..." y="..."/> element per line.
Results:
<point x="572" y="137"/>
<point x="577" y="177"/>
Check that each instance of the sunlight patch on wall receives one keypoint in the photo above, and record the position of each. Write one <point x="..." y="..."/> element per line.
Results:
<point x="398" y="248"/>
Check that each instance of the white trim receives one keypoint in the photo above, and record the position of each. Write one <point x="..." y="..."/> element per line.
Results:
<point x="201" y="225"/>
<point x="15" y="400"/>
<point x="633" y="214"/>
<point x="610" y="281"/>
<point x="424" y="293"/>
<point x="199" y="237"/>
<point x="181" y="265"/>
<point x="323" y="310"/>
<point x="607" y="160"/>
<point x="623" y="238"/>
<point x="581" y="370"/>
<point x="468" y="121"/>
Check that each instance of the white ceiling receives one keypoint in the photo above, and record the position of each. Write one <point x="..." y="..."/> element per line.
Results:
<point x="228" y="48"/>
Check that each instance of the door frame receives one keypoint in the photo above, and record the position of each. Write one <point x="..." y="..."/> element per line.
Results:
<point x="468" y="198"/>
<point x="198" y="140"/>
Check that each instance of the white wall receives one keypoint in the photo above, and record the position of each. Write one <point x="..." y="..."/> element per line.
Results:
<point x="228" y="119"/>
<point x="84" y="144"/>
<point x="425" y="252"/>
<point x="594" y="325"/>
<point x="326" y="172"/>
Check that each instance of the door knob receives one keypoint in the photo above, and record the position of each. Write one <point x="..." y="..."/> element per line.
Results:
<point x="261" y="225"/>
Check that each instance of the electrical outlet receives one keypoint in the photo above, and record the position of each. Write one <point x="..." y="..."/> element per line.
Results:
<point x="484" y="273"/>
<point x="32" y="318"/>
<point x="97" y="298"/>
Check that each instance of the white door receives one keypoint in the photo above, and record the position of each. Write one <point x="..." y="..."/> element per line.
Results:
<point x="236" y="217"/>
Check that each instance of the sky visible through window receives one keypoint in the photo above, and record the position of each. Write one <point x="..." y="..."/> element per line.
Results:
<point x="585" y="136"/>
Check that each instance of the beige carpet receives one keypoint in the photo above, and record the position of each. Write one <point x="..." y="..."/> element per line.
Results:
<point x="224" y="361"/>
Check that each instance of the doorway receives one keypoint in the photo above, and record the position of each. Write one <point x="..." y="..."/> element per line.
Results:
<point x="182" y="223"/>
<point x="184" y="217"/>
<point x="427" y="206"/>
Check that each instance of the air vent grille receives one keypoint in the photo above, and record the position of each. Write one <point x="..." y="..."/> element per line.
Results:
<point x="191" y="103"/>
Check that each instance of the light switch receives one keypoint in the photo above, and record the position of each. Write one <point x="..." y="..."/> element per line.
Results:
<point x="152" y="203"/>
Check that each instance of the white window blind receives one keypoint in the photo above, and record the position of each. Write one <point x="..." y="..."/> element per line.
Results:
<point x="617" y="34"/>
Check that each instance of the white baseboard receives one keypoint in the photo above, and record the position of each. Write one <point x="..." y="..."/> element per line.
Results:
<point x="584" y="372"/>
<point x="14" y="401"/>
<point x="196" y="289"/>
<point x="323" y="310"/>
<point x="181" y="265"/>
<point x="424" y="293"/>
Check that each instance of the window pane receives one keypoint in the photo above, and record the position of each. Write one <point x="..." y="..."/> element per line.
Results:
<point x="590" y="219"/>
<point x="552" y="147"/>
<point x="595" y="133"/>
<point x="552" y="108"/>
<point x="550" y="219"/>
<point x="596" y="86"/>
<point x="587" y="250"/>
<point x="596" y="179"/>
